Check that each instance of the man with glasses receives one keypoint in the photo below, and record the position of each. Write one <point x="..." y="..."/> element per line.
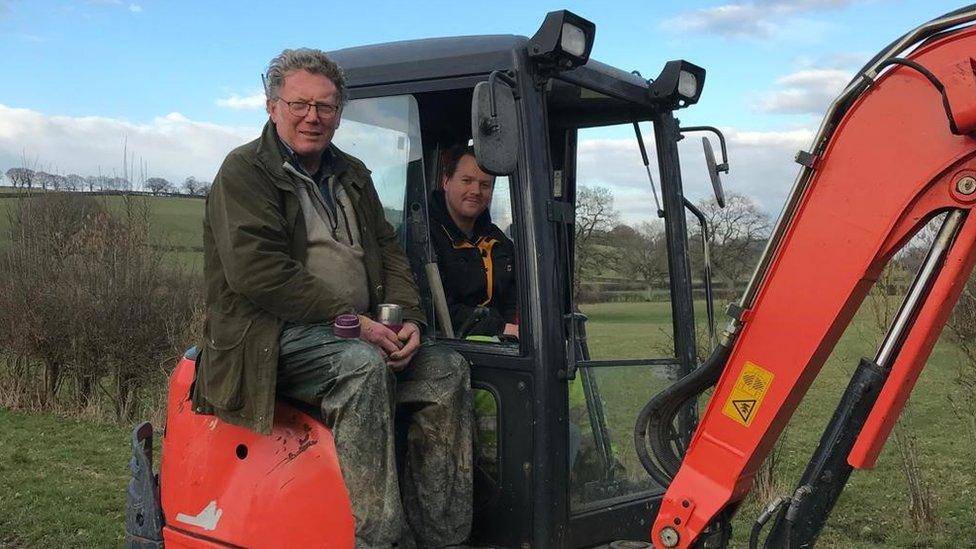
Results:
<point x="294" y="236"/>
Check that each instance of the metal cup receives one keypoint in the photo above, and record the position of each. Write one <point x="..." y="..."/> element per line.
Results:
<point x="390" y="315"/>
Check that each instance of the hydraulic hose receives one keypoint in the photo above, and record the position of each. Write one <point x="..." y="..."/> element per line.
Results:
<point x="655" y="423"/>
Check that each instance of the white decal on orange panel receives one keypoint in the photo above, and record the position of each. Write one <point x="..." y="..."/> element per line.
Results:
<point x="206" y="519"/>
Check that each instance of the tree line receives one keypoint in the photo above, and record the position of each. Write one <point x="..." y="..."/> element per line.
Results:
<point x="28" y="179"/>
<point x="612" y="257"/>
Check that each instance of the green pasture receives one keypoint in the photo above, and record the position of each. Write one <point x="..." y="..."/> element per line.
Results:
<point x="176" y="223"/>
<point x="62" y="482"/>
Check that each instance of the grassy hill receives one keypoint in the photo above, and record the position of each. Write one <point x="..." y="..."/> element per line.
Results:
<point x="176" y="222"/>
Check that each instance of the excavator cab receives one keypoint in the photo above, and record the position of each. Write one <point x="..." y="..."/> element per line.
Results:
<point x="555" y="458"/>
<point x="558" y="457"/>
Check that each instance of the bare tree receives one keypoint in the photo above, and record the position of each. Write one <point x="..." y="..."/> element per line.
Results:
<point x="74" y="182"/>
<point x="158" y="185"/>
<point x="29" y="168"/>
<point x="962" y="331"/>
<point x="51" y="181"/>
<point x="203" y="189"/>
<point x="642" y="252"/>
<point x="43" y="179"/>
<point x="190" y="185"/>
<point x="595" y="217"/>
<point x="738" y="233"/>
<point x="21" y="177"/>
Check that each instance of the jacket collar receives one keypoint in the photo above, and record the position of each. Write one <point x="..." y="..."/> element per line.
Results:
<point x="273" y="153"/>
<point x="439" y="213"/>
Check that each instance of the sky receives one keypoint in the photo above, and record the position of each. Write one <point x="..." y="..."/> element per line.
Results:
<point x="178" y="83"/>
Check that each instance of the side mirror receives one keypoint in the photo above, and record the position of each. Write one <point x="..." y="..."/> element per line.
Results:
<point x="494" y="125"/>
<point x="713" y="168"/>
<point x="713" y="172"/>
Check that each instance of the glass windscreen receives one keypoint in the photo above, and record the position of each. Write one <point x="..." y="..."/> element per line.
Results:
<point x="384" y="132"/>
<point x="603" y="404"/>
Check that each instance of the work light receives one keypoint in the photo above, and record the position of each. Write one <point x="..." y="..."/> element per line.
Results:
<point x="563" y="41"/>
<point x="679" y="84"/>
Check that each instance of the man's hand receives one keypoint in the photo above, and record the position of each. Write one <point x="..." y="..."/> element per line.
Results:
<point x="410" y="336"/>
<point x="379" y="335"/>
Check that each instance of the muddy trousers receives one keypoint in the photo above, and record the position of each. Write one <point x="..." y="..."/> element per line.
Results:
<point x="428" y="501"/>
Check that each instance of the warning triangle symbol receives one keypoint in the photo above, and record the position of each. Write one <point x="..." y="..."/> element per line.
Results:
<point x="745" y="408"/>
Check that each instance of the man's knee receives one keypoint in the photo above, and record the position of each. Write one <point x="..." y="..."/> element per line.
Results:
<point x="363" y="357"/>
<point x="365" y="362"/>
<point x="362" y="383"/>
<point x="445" y="366"/>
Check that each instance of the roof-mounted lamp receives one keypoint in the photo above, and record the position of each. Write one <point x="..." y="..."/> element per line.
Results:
<point x="563" y="42"/>
<point x="680" y="83"/>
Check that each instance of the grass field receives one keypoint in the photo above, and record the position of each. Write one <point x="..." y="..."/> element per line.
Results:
<point x="176" y="224"/>
<point x="62" y="482"/>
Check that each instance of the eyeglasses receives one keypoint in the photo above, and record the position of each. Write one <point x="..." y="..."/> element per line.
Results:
<point x="300" y="108"/>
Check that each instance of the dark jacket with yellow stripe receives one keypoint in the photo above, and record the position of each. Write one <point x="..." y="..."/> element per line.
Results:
<point x="475" y="271"/>
<point x="255" y="246"/>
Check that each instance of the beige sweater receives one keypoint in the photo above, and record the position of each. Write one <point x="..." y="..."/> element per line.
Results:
<point x="335" y="253"/>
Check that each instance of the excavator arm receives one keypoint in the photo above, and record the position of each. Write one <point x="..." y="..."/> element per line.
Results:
<point x="896" y="151"/>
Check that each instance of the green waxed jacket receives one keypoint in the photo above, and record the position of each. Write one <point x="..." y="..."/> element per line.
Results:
<point x="255" y="248"/>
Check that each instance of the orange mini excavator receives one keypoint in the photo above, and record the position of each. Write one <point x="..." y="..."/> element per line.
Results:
<point x="895" y="151"/>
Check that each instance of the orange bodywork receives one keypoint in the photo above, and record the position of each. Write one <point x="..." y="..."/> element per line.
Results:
<point x="890" y="167"/>
<point x="226" y="486"/>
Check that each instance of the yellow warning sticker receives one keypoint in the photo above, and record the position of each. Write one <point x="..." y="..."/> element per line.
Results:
<point x="747" y="394"/>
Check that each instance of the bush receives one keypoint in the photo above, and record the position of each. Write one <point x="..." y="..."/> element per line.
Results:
<point x="962" y="330"/>
<point x="89" y="303"/>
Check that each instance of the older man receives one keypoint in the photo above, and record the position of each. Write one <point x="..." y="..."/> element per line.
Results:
<point x="294" y="235"/>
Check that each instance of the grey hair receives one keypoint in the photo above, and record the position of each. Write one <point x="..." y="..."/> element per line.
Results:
<point x="307" y="59"/>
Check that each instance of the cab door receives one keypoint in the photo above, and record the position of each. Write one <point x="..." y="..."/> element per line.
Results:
<point x="633" y="322"/>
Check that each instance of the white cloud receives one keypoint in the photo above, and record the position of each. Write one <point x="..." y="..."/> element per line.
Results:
<point x="850" y="60"/>
<point x="237" y="102"/>
<point x="173" y="146"/>
<point x="761" y="167"/>
<point x="135" y="8"/>
<point x="807" y="91"/>
<point x="759" y="19"/>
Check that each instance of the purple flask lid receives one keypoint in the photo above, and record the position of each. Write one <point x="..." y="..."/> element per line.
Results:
<point x="346" y="325"/>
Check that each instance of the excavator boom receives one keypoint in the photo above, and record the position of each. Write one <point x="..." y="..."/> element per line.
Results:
<point x="896" y="152"/>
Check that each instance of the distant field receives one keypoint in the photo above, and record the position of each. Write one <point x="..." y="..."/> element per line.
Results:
<point x="176" y="222"/>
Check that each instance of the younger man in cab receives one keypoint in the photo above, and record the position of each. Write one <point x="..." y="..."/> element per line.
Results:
<point x="476" y="259"/>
